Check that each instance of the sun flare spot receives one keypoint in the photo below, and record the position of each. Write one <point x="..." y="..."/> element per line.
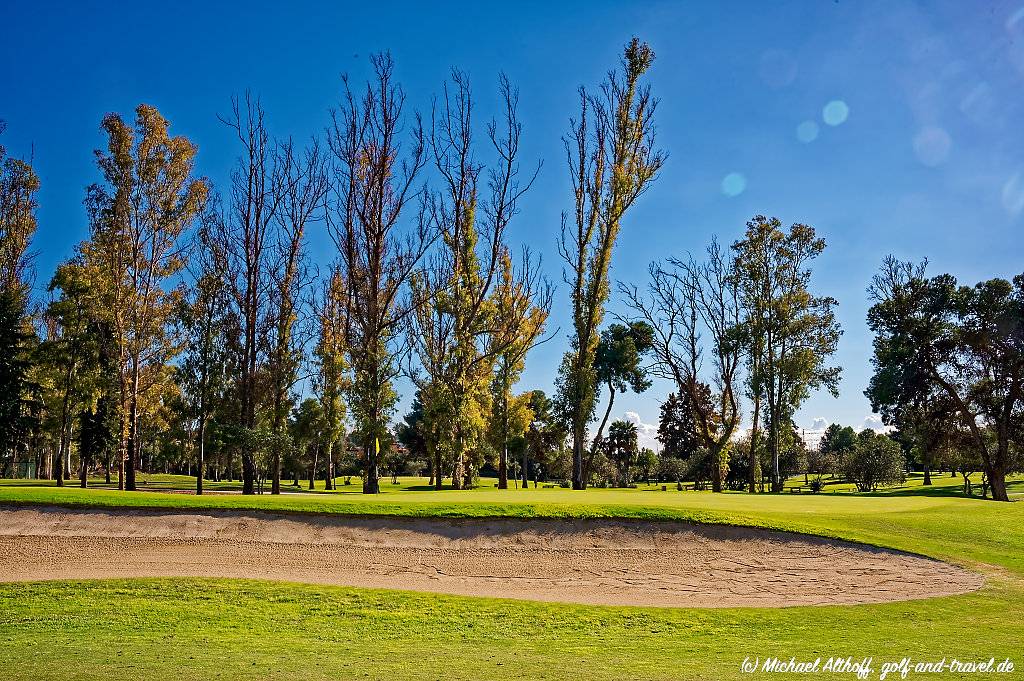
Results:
<point x="835" y="112"/>
<point x="734" y="184"/>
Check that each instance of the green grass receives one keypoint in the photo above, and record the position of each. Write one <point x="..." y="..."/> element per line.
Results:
<point x="210" y="629"/>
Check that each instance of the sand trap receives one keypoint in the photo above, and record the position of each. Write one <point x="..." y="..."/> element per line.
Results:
<point x="581" y="561"/>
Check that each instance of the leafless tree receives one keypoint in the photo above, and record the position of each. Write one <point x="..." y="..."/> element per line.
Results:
<point x="303" y="186"/>
<point x="695" y="312"/>
<point x="244" y="234"/>
<point x="375" y="179"/>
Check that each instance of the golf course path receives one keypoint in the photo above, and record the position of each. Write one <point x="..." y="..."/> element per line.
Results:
<point x="605" y="562"/>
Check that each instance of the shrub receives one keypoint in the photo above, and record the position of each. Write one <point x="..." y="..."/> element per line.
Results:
<point x="875" y="460"/>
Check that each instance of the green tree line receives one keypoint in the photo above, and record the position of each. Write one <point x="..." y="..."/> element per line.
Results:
<point x="193" y="331"/>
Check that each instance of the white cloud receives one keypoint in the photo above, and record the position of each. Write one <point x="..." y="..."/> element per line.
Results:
<point x="647" y="433"/>
<point x="874" y="422"/>
<point x="819" y="424"/>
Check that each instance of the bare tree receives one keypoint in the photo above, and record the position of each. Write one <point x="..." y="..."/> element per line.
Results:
<point x="303" y="185"/>
<point x="374" y="181"/>
<point x="245" y="239"/>
<point x="686" y="301"/>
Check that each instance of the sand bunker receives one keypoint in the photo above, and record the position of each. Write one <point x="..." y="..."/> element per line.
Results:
<point x="580" y="561"/>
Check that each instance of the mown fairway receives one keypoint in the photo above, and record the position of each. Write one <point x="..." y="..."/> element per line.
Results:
<point x="195" y="628"/>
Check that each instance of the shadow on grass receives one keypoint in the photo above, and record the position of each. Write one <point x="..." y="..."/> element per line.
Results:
<point x="1013" y="487"/>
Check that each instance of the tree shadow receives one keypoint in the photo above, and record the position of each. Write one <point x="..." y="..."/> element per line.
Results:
<point x="1013" y="486"/>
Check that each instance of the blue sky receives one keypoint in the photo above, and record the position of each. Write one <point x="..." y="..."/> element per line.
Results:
<point x="925" y="157"/>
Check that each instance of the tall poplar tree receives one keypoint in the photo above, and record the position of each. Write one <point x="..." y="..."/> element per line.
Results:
<point x="612" y="160"/>
<point x="375" y="180"/>
<point x="19" y="185"/>
<point x="461" y="328"/>
<point x="331" y="379"/>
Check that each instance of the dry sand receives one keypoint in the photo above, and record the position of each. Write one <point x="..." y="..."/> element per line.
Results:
<point x="579" y="561"/>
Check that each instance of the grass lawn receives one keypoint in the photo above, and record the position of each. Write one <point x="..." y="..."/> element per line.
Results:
<point x="210" y="629"/>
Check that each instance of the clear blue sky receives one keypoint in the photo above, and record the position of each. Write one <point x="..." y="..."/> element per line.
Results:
<point x="927" y="158"/>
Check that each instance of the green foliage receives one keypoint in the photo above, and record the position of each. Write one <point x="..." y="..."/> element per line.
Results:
<point x="619" y="355"/>
<point x="678" y="429"/>
<point x="410" y="433"/>
<point x="621" y="448"/>
<point x="875" y="460"/>
<point x="545" y="440"/>
<point x="647" y="463"/>
<point x="963" y="345"/>
<point x="97" y="430"/>
<point x="333" y="380"/>
<point x="15" y="417"/>
<point x="19" y="186"/>
<point x="788" y="332"/>
<point x="835" y="446"/>
<point x="838" y="439"/>
<point x="612" y="160"/>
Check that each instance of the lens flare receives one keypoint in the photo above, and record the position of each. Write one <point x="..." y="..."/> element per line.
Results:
<point x="734" y="184"/>
<point x="835" y="112"/>
<point x="807" y="132"/>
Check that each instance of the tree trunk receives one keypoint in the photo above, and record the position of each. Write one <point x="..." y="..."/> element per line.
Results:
<point x="526" y="468"/>
<point x="277" y="428"/>
<point x="371" y="485"/>
<point x="997" y="480"/>
<point x="776" y="473"/>
<point x="60" y="462"/>
<point x="716" y="462"/>
<point x="248" y="475"/>
<point x="503" y="467"/>
<point x="457" y="473"/>
<point x="438" y="474"/>
<point x="755" y="460"/>
<point x="927" y="473"/>
<point x="588" y="465"/>
<point x="133" y="427"/>
<point x="275" y="483"/>
<point x="503" y="456"/>
<point x="578" y="480"/>
<point x="200" y="464"/>
<point x="329" y="467"/>
<point x="67" y="452"/>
